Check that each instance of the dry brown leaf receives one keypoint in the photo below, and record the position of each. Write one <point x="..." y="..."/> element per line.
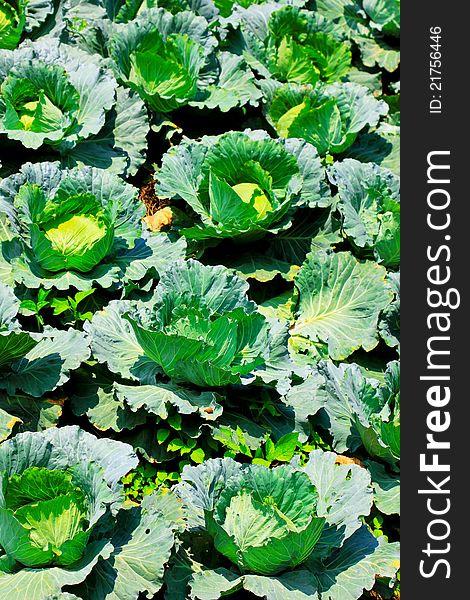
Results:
<point x="162" y="218"/>
<point x="347" y="460"/>
<point x="152" y="202"/>
<point x="59" y="401"/>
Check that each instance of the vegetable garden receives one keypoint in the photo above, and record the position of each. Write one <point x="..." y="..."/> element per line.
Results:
<point x="199" y="299"/>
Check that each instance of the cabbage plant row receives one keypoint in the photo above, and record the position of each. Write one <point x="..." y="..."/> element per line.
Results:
<point x="199" y="299"/>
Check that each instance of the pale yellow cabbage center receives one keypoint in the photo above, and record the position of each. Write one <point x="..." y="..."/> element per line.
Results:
<point x="251" y="192"/>
<point x="75" y="235"/>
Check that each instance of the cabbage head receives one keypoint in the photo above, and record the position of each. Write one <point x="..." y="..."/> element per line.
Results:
<point x="285" y="530"/>
<point x="72" y="235"/>
<point x="242" y="185"/>
<point x="19" y="18"/>
<point x="62" y="514"/>
<point x="76" y="227"/>
<point x="291" y="45"/>
<point x="261" y="515"/>
<point x="170" y="61"/>
<point x="12" y="22"/>
<point x="50" y="515"/>
<point x="60" y="99"/>
<point x="329" y="117"/>
<point x="200" y="327"/>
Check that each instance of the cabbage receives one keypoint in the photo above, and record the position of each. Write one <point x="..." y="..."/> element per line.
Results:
<point x="289" y="530"/>
<point x="12" y="22"/>
<point x="21" y="18"/>
<point x="170" y="61"/>
<point x="79" y="227"/>
<point x="73" y="235"/>
<point x="62" y="517"/>
<point x="264" y="514"/>
<point x="242" y="185"/>
<point x="60" y="99"/>
<point x="49" y="514"/>
<point x="291" y="45"/>
<point x="327" y="116"/>
<point x="201" y="328"/>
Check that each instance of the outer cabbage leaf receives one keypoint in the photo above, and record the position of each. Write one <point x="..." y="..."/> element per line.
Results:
<point x="340" y="300"/>
<point x="382" y="439"/>
<point x="294" y="411"/>
<point x="94" y="395"/>
<point x="381" y="146"/>
<point x="371" y="25"/>
<point x="219" y="10"/>
<point x="344" y="495"/>
<point x="345" y="561"/>
<point x="35" y="363"/>
<point x="7" y="422"/>
<point x="250" y="265"/>
<point x="113" y="342"/>
<point x="61" y="447"/>
<point x="389" y="325"/>
<point x="384" y="15"/>
<point x="369" y="202"/>
<point x="217" y="288"/>
<point x="143" y="539"/>
<point x="234" y="86"/>
<point x="157" y="399"/>
<point x="46" y="365"/>
<point x="49" y="581"/>
<point x="111" y="405"/>
<point x="212" y="584"/>
<point x="310" y="231"/>
<point x="121" y="144"/>
<point x="378" y="52"/>
<point x="360" y="411"/>
<point x="353" y="567"/>
<point x="386" y="484"/>
<point x="201" y="487"/>
<point x="20" y="412"/>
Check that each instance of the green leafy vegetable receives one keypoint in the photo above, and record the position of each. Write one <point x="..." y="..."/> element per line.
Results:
<point x="243" y="185"/>
<point x="328" y="117"/>
<point x="79" y="227"/>
<point x="59" y="97"/>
